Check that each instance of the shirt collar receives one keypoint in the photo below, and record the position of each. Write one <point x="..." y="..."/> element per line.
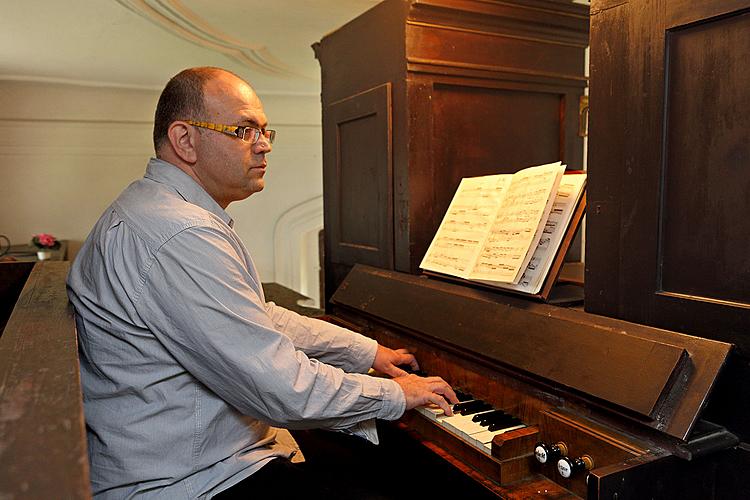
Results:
<point x="164" y="172"/>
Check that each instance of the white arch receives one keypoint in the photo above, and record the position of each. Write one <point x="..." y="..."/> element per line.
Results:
<point x="295" y="245"/>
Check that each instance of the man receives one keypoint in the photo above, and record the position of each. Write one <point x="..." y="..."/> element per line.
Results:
<point x="186" y="371"/>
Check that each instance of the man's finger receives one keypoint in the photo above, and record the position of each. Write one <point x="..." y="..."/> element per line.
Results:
<point x="440" y="386"/>
<point x="408" y="358"/>
<point x="442" y="403"/>
<point x="448" y="393"/>
<point x="413" y="363"/>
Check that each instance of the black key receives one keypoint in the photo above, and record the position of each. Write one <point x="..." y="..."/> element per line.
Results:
<point x="481" y="406"/>
<point x="500" y="419"/>
<point x="485" y="417"/>
<point x="499" y="426"/>
<point x="463" y="396"/>
<point x="468" y="406"/>
<point x="458" y="407"/>
<point x="474" y="403"/>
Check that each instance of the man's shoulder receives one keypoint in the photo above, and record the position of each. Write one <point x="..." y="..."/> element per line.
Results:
<point x="157" y="212"/>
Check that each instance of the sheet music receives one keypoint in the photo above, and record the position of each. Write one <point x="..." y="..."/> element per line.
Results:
<point x="461" y="234"/>
<point x="518" y="225"/>
<point x="566" y="200"/>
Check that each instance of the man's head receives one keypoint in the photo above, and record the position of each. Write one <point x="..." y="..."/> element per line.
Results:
<point x="190" y="108"/>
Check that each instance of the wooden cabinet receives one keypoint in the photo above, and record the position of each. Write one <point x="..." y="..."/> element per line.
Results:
<point x="417" y="94"/>
<point x="668" y="227"/>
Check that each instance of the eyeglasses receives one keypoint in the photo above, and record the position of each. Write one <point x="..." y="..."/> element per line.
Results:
<point x="247" y="134"/>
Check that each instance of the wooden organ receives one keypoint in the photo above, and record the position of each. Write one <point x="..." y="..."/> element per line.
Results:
<point x="635" y="395"/>
<point x="626" y="395"/>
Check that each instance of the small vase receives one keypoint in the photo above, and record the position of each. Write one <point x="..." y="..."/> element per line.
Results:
<point x="43" y="254"/>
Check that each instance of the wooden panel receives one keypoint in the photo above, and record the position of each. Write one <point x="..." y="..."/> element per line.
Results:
<point x="358" y="180"/>
<point x="358" y="57"/>
<point x="682" y="12"/>
<point x="606" y="371"/>
<point x="664" y="477"/>
<point x="42" y="436"/>
<point x="587" y="356"/>
<point x="547" y="21"/>
<point x="705" y="228"/>
<point x="483" y="131"/>
<point x="641" y="175"/>
<point x="606" y="156"/>
<point x="450" y="44"/>
<point x="478" y="129"/>
<point x="583" y="437"/>
<point x="667" y="136"/>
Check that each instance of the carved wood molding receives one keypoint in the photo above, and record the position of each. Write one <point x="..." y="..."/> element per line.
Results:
<point x="175" y="17"/>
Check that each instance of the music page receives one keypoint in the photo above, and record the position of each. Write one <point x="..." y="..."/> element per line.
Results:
<point x="567" y="198"/>
<point x="517" y="229"/>
<point x="461" y="234"/>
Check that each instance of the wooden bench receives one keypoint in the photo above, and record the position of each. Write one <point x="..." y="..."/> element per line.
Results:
<point x="42" y="433"/>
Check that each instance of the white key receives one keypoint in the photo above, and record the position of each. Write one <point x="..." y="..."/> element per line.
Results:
<point x="464" y="424"/>
<point x="431" y="411"/>
<point x="483" y="440"/>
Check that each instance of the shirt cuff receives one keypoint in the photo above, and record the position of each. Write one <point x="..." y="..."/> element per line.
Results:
<point x="394" y="405"/>
<point x="363" y="351"/>
<point x="394" y="401"/>
<point x="365" y="429"/>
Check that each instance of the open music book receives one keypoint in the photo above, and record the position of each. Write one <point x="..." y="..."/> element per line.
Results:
<point x="505" y="230"/>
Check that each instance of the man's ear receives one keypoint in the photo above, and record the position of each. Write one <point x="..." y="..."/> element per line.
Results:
<point x="182" y="137"/>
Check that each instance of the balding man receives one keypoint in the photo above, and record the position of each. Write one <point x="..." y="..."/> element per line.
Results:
<point x="188" y="374"/>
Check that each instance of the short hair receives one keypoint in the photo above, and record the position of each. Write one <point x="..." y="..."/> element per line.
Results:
<point x="181" y="99"/>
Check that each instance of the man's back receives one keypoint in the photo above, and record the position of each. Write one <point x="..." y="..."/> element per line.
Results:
<point x="151" y="423"/>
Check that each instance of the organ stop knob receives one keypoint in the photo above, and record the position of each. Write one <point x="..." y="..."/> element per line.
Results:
<point x="548" y="453"/>
<point x="567" y="466"/>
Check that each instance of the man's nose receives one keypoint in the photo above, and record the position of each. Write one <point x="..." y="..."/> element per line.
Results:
<point x="263" y="146"/>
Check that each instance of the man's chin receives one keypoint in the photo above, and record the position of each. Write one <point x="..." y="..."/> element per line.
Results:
<point x="257" y="186"/>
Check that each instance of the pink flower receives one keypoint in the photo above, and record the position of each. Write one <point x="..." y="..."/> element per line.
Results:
<point x="44" y="240"/>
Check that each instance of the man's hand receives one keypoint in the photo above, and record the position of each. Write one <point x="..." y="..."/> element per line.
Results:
<point x="387" y="361"/>
<point x="420" y="391"/>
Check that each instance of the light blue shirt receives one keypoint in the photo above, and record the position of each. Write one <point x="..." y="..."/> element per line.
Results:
<point x="185" y="368"/>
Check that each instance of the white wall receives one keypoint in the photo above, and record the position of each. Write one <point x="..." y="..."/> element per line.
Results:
<point x="67" y="150"/>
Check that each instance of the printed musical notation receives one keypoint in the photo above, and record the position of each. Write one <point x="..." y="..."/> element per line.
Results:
<point x="464" y="228"/>
<point x="505" y="229"/>
<point x="566" y="199"/>
<point x="520" y="220"/>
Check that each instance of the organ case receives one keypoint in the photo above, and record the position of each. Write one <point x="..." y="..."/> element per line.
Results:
<point x="417" y="95"/>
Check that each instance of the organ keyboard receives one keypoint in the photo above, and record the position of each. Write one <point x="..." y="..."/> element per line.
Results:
<point x="474" y="421"/>
<point x="552" y="400"/>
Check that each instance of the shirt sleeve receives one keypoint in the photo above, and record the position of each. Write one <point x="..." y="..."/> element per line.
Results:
<point x="202" y="302"/>
<point x="324" y="341"/>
